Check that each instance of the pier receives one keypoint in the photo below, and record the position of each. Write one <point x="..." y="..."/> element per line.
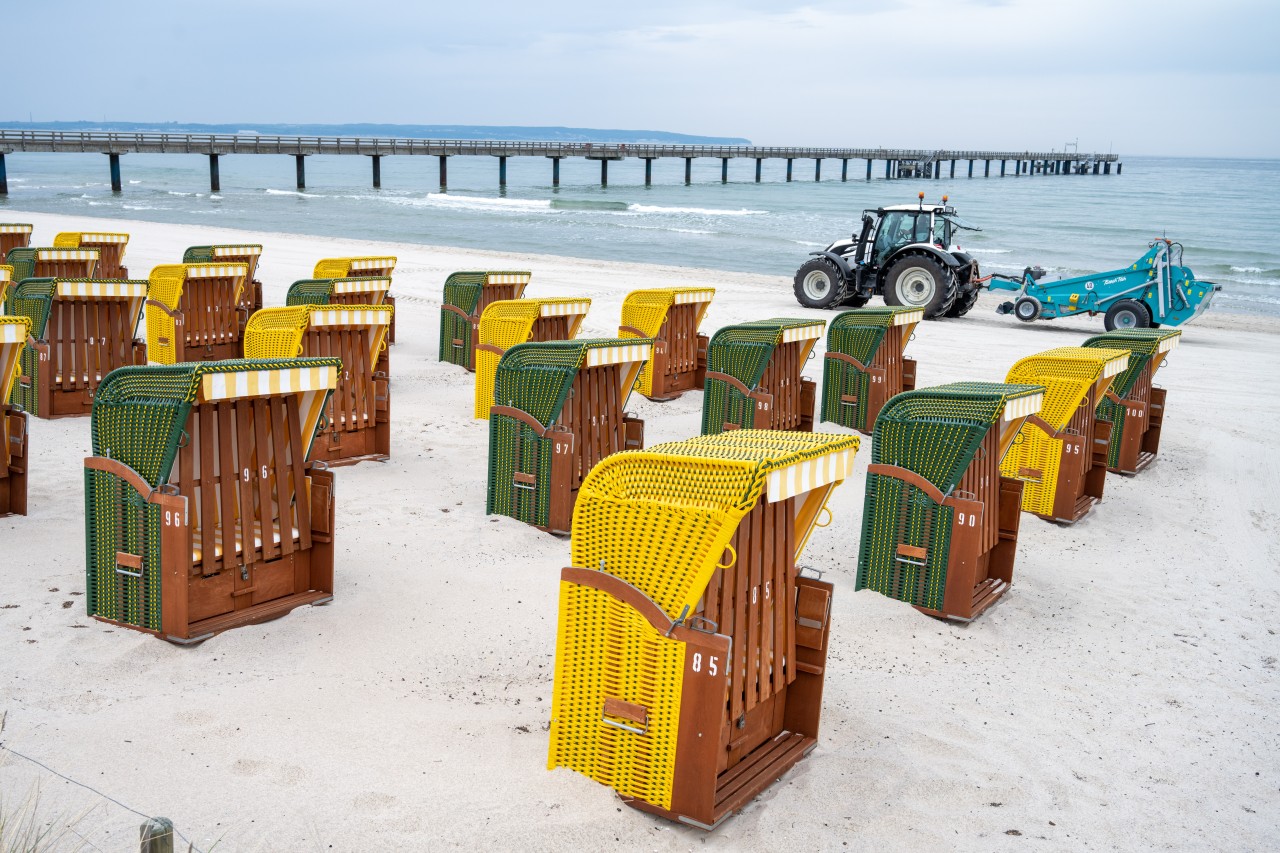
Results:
<point x="898" y="163"/>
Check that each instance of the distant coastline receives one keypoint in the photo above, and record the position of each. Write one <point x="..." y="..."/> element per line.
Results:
<point x="404" y="131"/>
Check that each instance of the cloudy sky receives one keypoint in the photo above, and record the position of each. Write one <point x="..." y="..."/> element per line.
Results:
<point x="1135" y="76"/>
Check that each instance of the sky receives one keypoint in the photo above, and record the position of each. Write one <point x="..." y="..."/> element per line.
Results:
<point x="1154" y="77"/>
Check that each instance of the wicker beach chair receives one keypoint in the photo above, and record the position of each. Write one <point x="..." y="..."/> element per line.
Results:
<point x="110" y="250"/>
<point x="1133" y="405"/>
<point x="202" y="511"/>
<point x="52" y="262"/>
<point x="671" y="317"/>
<point x="194" y="312"/>
<point x="940" y="524"/>
<point x="6" y="284"/>
<point x="466" y="295"/>
<point x="690" y="650"/>
<point x="363" y="267"/>
<point x="13" y="235"/>
<point x="753" y="376"/>
<point x="1061" y="454"/>
<point x="865" y="365"/>
<point x="559" y="408"/>
<point x="516" y="321"/>
<point x="81" y="330"/>
<point x="13" y="420"/>
<point x="357" y="422"/>
<point x="241" y="253"/>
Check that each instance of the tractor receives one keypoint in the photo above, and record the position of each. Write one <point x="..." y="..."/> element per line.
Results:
<point x="904" y="253"/>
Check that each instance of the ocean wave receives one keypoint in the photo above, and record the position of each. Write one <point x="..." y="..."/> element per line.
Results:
<point x="1251" y="297"/>
<point x="135" y="182"/>
<point x="297" y="193"/>
<point x="140" y="207"/>
<point x="667" y="229"/>
<point x="990" y="251"/>
<point x="1246" y="269"/>
<point x="477" y="202"/>
<point x="810" y="243"/>
<point x="700" y="211"/>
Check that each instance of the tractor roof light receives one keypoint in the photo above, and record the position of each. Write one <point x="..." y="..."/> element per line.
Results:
<point x="944" y="199"/>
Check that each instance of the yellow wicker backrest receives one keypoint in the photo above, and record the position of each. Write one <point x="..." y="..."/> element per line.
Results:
<point x="508" y="322"/>
<point x="6" y="279"/>
<point x="343" y="267"/>
<point x="67" y="240"/>
<point x="276" y="332"/>
<point x="164" y="285"/>
<point x="13" y="337"/>
<point x="1067" y="373"/>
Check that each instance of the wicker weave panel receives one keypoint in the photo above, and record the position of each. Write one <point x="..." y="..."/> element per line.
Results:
<point x="503" y="325"/>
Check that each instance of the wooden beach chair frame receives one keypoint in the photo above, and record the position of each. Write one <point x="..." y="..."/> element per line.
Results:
<point x="559" y="409"/>
<point x="865" y="364"/>
<point x="516" y="321"/>
<point x="6" y="284"/>
<point x="13" y="235"/>
<point x="110" y="248"/>
<point x="177" y="447"/>
<point x="670" y="317"/>
<point x="719" y="690"/>
<point x="81" y="330"/>
<point x="234" y="253"/>
<point x="14" y="333"/>
<point x="1060" y="454"/>
<point x="52" y="262"/>
<point x="357" y="418"/>
<point x="466" y="294"/>
<point x="194" y="312"/>
<point x="371" y="266"/>
<point x="754" y="376"/>
<point x="360" y="290"/>
<point x="1134" y="405"/>
<point x="940" y="523"/>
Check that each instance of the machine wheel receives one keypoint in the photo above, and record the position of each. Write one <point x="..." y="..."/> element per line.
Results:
<point x="855" y="300"/>
<point x="819" y="284"/>
<point x="965" y="300"/>
<point x="1127" y="314"/>
<point x="1027" y="309"/>
<point x="918" y="281"/>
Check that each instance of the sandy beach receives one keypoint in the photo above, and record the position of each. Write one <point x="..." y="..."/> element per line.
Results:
<point x="1121" y="696"/>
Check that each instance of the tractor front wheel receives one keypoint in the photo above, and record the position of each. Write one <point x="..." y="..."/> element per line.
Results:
<point x="819" y="284"/>
<point x="1127" y="314"/>
<point x="918" y="281"/>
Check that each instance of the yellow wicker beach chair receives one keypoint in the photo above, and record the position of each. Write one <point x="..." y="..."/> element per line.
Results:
<point x="240" y="253"/>
<point x="81" y="330"/>
<point x="13" y="236"/>
<point x="6" y="282"/>
<point x="193" y="312"/>
<point x="1133" y="405"/>
<point x="560" y="407"/>
<point x="14" y="332"/>
<point x="110" y="250"/>
<point x="50" y="262"/>
<point x="363" y="267"/>
<point x="515" y="321"/>
<point x="754" y="377"/>
<point x="466" y="295"/>
<point x="671" y="317"/>
<point x="202" y="511"/>
<point x="357" y="422"/>
<point x="865" y="366"/>
<point x="690" y="650"/>
<point x="1061" y="454"/>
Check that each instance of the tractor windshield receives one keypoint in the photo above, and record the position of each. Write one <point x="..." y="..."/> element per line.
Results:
<point x="899" y="228"/>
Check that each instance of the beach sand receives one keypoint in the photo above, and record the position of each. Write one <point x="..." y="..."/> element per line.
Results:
<point x="1121" y="696"/>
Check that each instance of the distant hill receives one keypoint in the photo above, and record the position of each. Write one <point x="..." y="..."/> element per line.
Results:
<point x="408" y="131"/>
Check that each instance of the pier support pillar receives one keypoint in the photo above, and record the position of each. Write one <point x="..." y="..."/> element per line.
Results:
<point x="987" y="171"/>
<point x="758" y="162"/>
<point x="888" y="169"/>
<point x="444" y="170"/>
<point x="1106" y="168"/>
<point x="869" y="162"/>
<point x="648" y="171"/>
<point x="1003" y="163"/>
<point x="971" y="168"/>
<point x="502" y="171"/>
<point x="1119" y="166"/>
<point x="215" y="180"/>
<point x="300" y="167"/>
<point x="953" y="169"/>
<point x="376" y="159"/>
<point x="844" y="169"/>
<point x="688" y="171"/>
<point x="4" y="177"/>
<point x="724" y="170"/>
<point x="789" y="162"/>
<point x="1095" y="166"/>
<point x="114" y="161"/>
<point x="604" y="173"/>
<point x="555" y="171"/>
<point x="937" y="170"/>
<point x="817" y="169"/>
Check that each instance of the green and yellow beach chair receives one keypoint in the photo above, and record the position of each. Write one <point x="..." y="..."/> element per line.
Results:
<point x="466" y="295"/>
<point x="1133" y="405"/>
<point x="671" y="317"/>
<point x="202" y="512"/>
<point x="380" y="267"/>
<point x="1060" y="454"/>
<point x="865" y="365"/>
<point x="110" y="250"/>
<point x="13" y="235"/>
<point x="240" y="253"/>
<point x="194" y="312"/>
<point x="50" y="262"/>
<point x="754" y="376"/>
<point x="516" y="321"/>
<point x="14" y="332"/>
<point x="80" y="330"/>
<point x="559" y="408"/>
<point x="357" y="424"/>
<point x="360" y="290"/>
<point x="940" y="523"/>
<point x="690" y="648"/>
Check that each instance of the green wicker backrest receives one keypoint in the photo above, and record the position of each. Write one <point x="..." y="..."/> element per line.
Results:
<point x="1142" y="344"/>
<point x="858" y="333"/>
<point x="309" y="291"/>
<point x="33" y="299"/>
<point x="463" y="289"/>
<point x="198" y="255"/>
<point x="23" y="261"/>
<point x="536" y="377"/>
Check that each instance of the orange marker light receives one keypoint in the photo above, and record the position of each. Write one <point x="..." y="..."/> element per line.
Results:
<point x="944" y="199"/>
<point x="922" y="196"/>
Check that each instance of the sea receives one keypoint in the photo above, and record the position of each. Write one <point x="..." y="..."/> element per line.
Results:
<point x="1224" y="212"/>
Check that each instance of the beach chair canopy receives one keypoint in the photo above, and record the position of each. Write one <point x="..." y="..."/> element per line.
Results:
<point x="239" y="253"/>
<point x="208" y="297"/>
<point x="854" y="341"/>
<point x="13" y="235"/>
<point x="109" y="245"/>
<point x="365" y="290"/>
<point x="646" y="312"/>
<point x="1132" y="406"/>
<point x="354" y="267"/>
<point x="516" y="321"/>
<point x="737" y="358"/>
<point x="52" y="263"/>
<point x="1145" y="347"/>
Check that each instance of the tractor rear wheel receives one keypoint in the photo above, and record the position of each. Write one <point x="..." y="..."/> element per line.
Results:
<point x="1127" y="314"/>
<point x="965" y="300"/>
<point x="919" y="281"/>
<point x="819" y="284"/>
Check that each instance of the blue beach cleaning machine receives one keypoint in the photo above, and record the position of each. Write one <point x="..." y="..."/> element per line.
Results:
<point x="1156" y="290"/>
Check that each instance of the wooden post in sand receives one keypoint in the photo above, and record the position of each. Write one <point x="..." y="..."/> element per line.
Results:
<point x="156" y="836"/>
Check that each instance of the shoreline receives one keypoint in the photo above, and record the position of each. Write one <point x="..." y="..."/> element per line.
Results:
<point x="1120" y="696"/>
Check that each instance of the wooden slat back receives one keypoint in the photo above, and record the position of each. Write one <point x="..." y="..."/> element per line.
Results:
<point x="63" y="268"/>
<point x="208" y="307"/>
<point x="982" y="480"/>
<point x="782" y="379"/>
<point x="1081" y="423"/>
<point x="889" y="356"/>
<point x="351" y="406"/>
<point x="680" y="331"/>
<point x="593" y="412"/>
<point x="242" y="473"/>
<point x="88" y="338"/>
<point x="550" y="329"/>
<point x="13" y="240"/>
<point x="495" y="293"/>
<point x="110" y="259"/>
